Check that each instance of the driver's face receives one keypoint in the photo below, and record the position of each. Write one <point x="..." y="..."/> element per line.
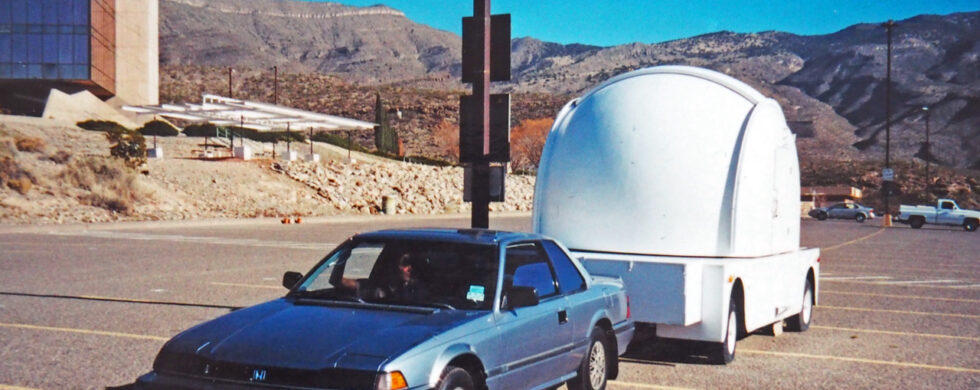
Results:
<point x="406" y="271"/>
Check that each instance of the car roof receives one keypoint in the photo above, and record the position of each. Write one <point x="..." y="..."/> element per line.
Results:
<point x="464" y="236"/>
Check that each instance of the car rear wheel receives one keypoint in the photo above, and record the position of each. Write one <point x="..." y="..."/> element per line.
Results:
<point x="593" y="371"/>
<point x="916" y="222"/>
<point x="859" y="218"/>
<point x="455" y="378"/>
<point x="970" y="225"/>
<point x="724" y="352"/>
<point x="801" y="321"/>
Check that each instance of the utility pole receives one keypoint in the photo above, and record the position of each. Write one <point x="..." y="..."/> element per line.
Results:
<point x="275" y="85"/>
<point x="229" y="84"/>
<point x="887" y="185"/>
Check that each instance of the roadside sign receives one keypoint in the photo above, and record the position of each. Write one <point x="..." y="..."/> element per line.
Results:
<point x="471" y="135"/>
<point x="887" y="174"/>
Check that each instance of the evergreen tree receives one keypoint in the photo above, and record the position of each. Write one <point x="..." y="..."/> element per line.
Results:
<point x="385" y="137"/>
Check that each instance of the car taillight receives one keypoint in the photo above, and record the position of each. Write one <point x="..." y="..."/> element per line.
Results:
<point x="628" y="314"/>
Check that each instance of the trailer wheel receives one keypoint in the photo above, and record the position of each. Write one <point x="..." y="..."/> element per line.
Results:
<point x="916" y="222"/>
<point x="724" y="352"/>
<point x="801" y="321"/>
<point x="859" y="218"/>
<point x="970" y="225"/>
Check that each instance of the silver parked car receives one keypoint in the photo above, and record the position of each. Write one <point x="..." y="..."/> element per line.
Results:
<point x="853" y="211"/>
<point x="416" y="309"/>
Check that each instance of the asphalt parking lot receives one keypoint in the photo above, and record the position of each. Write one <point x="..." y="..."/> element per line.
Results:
<point x="89" y="306"/>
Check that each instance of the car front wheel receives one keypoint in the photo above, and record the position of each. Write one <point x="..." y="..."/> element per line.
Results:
<point x="595" y="366"/>
<point x="455" y="378"/>
<point x="822" y="216"/>
<point x="970" y="225"/>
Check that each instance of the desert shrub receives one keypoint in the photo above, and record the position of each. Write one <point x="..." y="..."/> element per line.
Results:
<point x="446" y="135"/>
<point x="108" y="183"/>
<point x="103" y="126"/>
<point x="527" y="142"/>
<point x="335" y="139"/>
<point x="130" y="146"/>
<point x="12" y="174"/>
<point x="30" y="144"/>
<point x="158" y="128"/>
<point x="60" y="157"/>
<point x="201" y="130"/>
<point x="21" y="185"/>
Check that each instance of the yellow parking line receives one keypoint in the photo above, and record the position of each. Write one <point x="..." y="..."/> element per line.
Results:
<point x="9" y="387"/>
<point x="824" y="291"/>
<point x="880" y="283"/>
<point x="854" y="241"/>
<point x="939" y="336"/>
<point x="860" y="360"/>
<point x="921" y="313"/>
<point x="644" y="386"/>
<point x="84" y="331"/>
<point x="248" y="285"/>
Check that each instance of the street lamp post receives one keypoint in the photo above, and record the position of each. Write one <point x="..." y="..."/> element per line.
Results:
<point x="928" y="153"/>
<point x="889" y="25"/>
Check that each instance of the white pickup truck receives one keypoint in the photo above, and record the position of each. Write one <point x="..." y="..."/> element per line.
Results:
<point x="685" y="183"/>
<point x="946" y="212"/>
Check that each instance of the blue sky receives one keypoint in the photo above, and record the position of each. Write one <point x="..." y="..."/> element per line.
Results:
<point x="613" y="22"/>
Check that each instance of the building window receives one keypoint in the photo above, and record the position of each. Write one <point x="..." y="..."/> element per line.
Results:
<point x="47" y="39"/>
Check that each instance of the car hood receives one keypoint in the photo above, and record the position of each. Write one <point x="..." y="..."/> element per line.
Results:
<point x="310" y="335"/>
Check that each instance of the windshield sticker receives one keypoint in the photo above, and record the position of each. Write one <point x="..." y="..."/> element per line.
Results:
<point x="475" y="293"/>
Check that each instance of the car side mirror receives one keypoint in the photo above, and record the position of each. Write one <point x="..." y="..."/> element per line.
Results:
<point x="290" y="278"/>
<point x="521" y="296"/>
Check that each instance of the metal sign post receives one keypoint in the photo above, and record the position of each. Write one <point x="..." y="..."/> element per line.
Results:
<point x="486" y="58"/>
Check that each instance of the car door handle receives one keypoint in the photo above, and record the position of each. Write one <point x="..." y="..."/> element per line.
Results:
<point x="562" y="316"/>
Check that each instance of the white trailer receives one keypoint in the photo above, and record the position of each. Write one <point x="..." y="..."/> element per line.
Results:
<point x="685" y="183"/>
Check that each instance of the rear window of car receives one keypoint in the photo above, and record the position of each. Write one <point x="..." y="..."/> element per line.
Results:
<point x="569" y="279"/>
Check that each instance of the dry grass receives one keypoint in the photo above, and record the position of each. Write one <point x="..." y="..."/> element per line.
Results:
<point x="108" y="182"/>
<point x="30" y="144"/>
<point x="12" y="174"/>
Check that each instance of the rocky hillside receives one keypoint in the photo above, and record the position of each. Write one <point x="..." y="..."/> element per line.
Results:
<point x="830" y="86"/>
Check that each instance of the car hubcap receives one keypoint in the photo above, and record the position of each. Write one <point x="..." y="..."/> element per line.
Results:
<point x="597" y="365"/>
<point x="807" y="306"/>
<point x="730" y="337"/>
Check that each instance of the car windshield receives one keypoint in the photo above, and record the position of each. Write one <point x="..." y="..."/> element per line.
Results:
<point x="406" y="272"/>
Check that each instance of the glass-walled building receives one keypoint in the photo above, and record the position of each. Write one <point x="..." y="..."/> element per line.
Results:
<point x="63" y="42"/>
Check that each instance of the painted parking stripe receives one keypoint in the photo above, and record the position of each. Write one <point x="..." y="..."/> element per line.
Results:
<point x="854" y="241"/>
<point x="860" y="360"/>
<point x="825" y="291"/>
<point x="629" y="385"/>
<point x="10" y="387"/>
<point x="199" y="239"/>
<point x="894" y="333"/>
<point x="920" y="313"/>
<point x="879" y="283"/>
<point x="84" y="331"/>
<point x="940" y="281"/>
<point x="856" y="278"/>
<point x="248" y="285"/>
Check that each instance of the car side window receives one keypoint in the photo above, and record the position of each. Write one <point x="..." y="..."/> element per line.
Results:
<point x="569" y="279"/>
<point x="527" y="265"/>
<point x="947" y="205"/>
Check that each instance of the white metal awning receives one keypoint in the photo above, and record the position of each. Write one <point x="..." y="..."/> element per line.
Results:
<point x="223" y="111"/>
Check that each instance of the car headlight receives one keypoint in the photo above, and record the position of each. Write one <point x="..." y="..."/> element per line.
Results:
<point x="391" y="381"/>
